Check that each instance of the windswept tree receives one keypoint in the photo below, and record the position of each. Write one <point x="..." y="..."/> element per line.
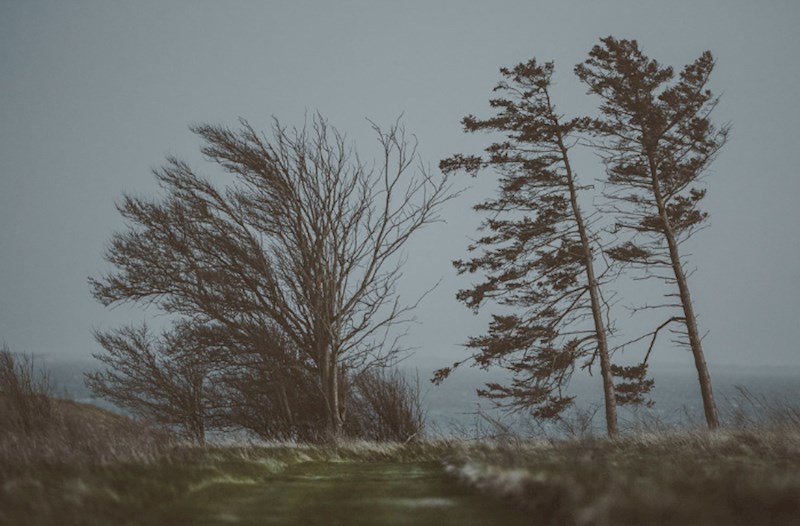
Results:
<point x="163" y="377"/>
<point x="657" y="139"/>
<point x="306" y="237"/>
<point x="538" y="257"/>
<point x="269" y="389"/>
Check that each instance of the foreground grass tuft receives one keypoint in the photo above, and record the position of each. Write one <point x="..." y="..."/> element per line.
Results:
<point x="742" y="477"/>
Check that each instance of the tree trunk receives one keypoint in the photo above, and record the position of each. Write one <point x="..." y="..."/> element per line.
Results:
<point x="198" y="424"/>
<point x="709" y="406"/>
<point x="287" y="410"/>
<point x="198" y="432"/>
<point x="330" y="389"/>
<point x="594" y="295"/>
<point x="196" y="428"/>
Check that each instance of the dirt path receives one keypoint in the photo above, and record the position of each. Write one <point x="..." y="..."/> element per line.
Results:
<point x="346" y="493"/>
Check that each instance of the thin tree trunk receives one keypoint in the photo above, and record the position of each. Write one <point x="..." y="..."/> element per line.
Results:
<point x="198" y="425"/>
<point x="335" y="406"/>
<point x="198" y="432"/>
<point x="284" y="400"/>
<point x="594" y="295"/>
<point x="330" y="388"/>
<point x="709" y="406"/>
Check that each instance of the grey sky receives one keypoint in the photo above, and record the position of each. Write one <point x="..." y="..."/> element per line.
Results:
<point x="94" y="94"/>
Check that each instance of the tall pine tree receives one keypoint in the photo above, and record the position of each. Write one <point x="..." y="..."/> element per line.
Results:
<point x="537" y="258"/>
<point x="657" y="139"/>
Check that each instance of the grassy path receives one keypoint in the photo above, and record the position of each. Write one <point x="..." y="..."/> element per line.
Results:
<point x="339" y="493"/>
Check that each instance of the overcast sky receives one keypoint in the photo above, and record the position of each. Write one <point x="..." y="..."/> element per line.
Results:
<point x="95" y="94"/>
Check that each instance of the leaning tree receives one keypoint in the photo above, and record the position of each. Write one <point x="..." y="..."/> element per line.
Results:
<point x="657" y="139"/>
<point x="305" y="238"/>
<point x="539" y="255"/>
<point x="202" y="377"/>
<point x="166" y="377"/>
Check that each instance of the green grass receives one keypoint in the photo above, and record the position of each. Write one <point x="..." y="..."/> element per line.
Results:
<point x="91" y="467"/>
<point x="189" y="485"/>
<point x="354" y="492"/>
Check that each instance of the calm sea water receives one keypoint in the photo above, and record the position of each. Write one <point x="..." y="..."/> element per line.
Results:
<point x="454" y="408"/>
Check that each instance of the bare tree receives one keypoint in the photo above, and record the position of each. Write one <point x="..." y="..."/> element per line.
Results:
<point x="539" y="255"/>
<point x="197" y="379"/>
<point x="306" y="238"/>
<point x="271" y="391"/>
<point x="657" y="140"/>
<point x="165" y="378"/>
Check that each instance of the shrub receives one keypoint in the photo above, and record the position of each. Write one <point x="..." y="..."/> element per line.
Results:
<point x="385" y="406"/>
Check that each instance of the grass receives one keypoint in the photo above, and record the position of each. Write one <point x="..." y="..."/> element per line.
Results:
<point x="92" y="467"/>
<point x="351" y="493"/>
<point x="742" y="477"/>
<point x="738" y="477"/>
<point x="67" y="463"/>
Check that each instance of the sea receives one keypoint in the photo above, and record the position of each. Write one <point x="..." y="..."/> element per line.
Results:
<point x="744" y="396"/>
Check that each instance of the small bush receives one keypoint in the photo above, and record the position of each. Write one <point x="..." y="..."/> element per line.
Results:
<point x="385" y="406"/>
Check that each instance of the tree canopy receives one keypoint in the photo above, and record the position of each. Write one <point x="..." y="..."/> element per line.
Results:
<point x="301" y="247"/>
<point x="537" y="260"/>
<point x="657" y="139"/>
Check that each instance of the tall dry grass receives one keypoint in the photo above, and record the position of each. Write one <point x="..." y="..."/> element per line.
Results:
<point x="62" y="462"/>
<point x="25" y="393"/>
<point x="38" y="428"/>
<point x="748" y="474"/>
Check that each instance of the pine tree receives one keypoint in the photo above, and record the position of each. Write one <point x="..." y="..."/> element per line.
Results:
<point x="657" y="139"/>
<point x="538" y="256"/>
